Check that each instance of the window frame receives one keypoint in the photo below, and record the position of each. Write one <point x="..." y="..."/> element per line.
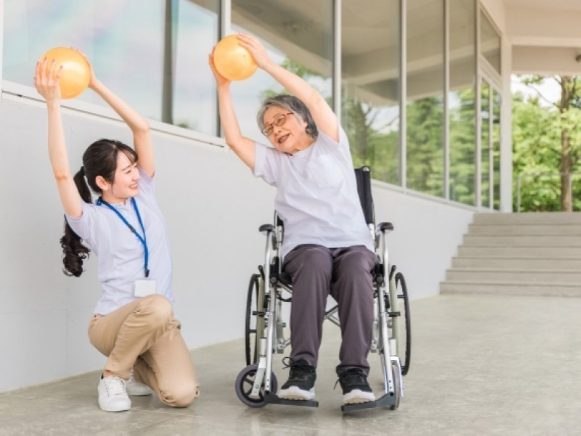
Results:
<point x="16" y="92"/>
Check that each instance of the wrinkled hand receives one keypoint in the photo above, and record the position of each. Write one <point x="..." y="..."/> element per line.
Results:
<point x="47" y="79"/>
<point x="256" y="48"/>
<point x="220" y="80"/>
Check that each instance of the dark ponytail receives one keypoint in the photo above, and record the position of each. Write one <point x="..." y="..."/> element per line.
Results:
<point x="100" y="159"/>
<point x="73" y="249"/>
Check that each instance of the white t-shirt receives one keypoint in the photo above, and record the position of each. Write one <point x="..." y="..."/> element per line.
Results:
<point x="316" y="194"/>
<point x="120" y="255"/>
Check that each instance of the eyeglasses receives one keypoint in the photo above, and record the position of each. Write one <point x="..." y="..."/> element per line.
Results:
<point x="277" y="122"/>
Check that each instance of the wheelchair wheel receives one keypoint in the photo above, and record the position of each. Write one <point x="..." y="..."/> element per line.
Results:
<point x="396" y="386"/>
<point x="253" y="323"/>
<point x="404" y="341"/>
<point x="245" y="382"/>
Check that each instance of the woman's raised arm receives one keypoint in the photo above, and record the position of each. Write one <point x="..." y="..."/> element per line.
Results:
<point x="47" y="83"/>
<point x="135" y="121"/>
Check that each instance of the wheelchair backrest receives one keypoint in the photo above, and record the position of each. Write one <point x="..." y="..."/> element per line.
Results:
<point x="363" y="176"/>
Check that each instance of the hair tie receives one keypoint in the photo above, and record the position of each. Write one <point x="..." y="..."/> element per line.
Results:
<point x="82" y="171"/>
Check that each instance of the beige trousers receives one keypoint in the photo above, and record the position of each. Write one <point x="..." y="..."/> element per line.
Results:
<point x="144" y="335"/>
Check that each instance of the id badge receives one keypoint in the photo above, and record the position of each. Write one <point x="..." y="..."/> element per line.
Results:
<point x="143" y="288"/>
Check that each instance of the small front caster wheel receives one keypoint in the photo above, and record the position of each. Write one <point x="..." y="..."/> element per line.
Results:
<point x="245" y="382"/>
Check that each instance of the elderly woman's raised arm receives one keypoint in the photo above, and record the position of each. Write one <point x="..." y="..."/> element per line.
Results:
<point x="322" y="113"/>
<point x="241" y="145"/>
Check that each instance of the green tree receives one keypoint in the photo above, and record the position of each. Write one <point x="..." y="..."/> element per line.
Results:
<point x="462" y="148"/>
<point x="369" y="145"/>
<point x="425" y="150"/>
<point x="547" y="140"/>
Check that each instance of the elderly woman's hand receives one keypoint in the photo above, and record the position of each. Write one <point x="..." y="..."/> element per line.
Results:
<point x="220" y="80"/>
<point x="255" y="47"/>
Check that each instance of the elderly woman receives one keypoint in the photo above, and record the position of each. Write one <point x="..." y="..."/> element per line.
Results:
<point x="327" y="248"/>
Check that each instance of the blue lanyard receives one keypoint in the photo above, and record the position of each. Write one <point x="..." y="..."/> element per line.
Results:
<point x="143" y="239"/>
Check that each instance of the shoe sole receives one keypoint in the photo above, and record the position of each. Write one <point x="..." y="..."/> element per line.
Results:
<point x="294" y="393"/>
<point x="138" y="393"/>
<point x="357" y="397"/>
<point x="115" y="409"/>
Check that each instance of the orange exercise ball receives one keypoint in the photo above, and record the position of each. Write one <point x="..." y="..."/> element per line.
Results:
<point x="232" y="60"/>
<point x="76" y="73"/>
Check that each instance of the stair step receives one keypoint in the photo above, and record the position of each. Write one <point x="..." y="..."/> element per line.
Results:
<point x="524" y="241"/>
<point x="522" y="252"/>
<point x="523" y="277"/>
<point x="539" y="289"/>
<point x="528" y="218"/>
<point x="525" y="229"/>
<point x="517" y="263"/>
<point x="519" y="254"/>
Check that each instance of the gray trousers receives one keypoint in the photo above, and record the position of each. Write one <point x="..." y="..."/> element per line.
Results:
<point x="345" y="273"/>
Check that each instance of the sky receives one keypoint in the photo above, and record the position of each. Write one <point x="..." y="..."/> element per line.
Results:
<point x="549" y="89"/>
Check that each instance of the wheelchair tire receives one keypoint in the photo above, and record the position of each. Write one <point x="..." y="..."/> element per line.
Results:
<point x="245" y="382"/>
<point x="251" y="321"/>
<point x="405" y="339"/>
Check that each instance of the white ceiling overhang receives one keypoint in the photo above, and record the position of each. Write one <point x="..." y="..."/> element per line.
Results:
<point x="545" y="36"/>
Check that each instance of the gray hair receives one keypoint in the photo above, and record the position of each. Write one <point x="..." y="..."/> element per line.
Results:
<point x="292" y="104"/>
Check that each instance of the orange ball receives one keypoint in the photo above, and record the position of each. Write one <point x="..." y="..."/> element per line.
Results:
<point x="232" y="60"/>
<point x="76" y="73"/>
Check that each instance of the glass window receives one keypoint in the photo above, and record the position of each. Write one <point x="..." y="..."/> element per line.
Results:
<point x="485" y="144"/>
<point x="131" y="48"/>
<point x="370" y="56"/>
<point x="425" y="90"/>
<point x="489" y="42"/>
<point x="194" y="103"/>
<point x="461" y="102"/>
<point x="297" y="35"/>
<point x="496" y="100"/>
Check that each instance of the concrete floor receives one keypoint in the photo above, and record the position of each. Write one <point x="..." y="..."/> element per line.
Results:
<point x="481" y="365"/>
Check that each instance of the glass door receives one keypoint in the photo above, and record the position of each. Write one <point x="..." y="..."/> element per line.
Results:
<point x="490" y="101"/>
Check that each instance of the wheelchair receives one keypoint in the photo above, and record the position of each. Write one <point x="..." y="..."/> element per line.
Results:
<point x="256" y="385"/>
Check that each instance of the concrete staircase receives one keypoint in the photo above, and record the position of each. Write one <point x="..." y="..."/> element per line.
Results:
<point x="519" y="254"/>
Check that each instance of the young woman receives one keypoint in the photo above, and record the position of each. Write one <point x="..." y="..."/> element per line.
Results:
<point x="133" y="322"/>
<point x="327" y="246"/>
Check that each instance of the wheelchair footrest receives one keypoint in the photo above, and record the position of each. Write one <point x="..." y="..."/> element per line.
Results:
<point x="386" y="401"/>
<point x="274" y="399"/>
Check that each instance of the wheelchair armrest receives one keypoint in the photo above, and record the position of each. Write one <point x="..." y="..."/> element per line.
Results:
<point x="382" y="227"/>
<point x="266" y="228"/>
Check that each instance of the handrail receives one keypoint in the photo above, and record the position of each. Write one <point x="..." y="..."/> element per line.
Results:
<point x="569" y="182"/>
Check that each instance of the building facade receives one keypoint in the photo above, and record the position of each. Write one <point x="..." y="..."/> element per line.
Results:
<point x="422" y="89"/>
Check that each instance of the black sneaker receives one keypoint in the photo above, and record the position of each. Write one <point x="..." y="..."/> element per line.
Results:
<point x="300" y="385"/>
<point x="355" y="387"/>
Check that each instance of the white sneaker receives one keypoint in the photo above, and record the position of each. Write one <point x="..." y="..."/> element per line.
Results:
<point x="113" y="395"/>
<point x="137" y="389"/>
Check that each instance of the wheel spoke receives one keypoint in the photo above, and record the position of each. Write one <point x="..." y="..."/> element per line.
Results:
<point x="248" y="379"/>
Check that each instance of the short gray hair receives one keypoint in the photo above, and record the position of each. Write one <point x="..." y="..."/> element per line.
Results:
<point x="292" y="104"/>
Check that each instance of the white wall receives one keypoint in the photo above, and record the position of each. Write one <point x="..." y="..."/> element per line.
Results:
<point x="426" y="236"/>
<point x="213" y="206"/>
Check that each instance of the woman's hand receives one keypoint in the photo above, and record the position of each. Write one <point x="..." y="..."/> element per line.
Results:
<point x="220" y="80"/>
<point x="93" y="82"/>
<point x="47" y="80"/>
<point x="256" y="48"/>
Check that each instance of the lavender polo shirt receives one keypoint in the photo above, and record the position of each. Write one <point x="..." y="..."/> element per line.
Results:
<point x="120" y="255"/>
